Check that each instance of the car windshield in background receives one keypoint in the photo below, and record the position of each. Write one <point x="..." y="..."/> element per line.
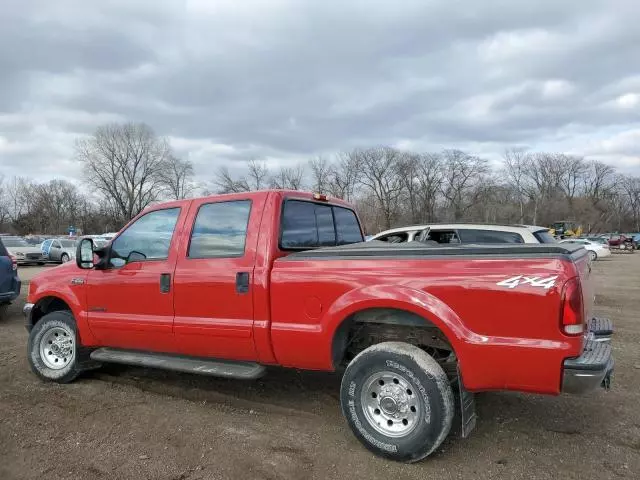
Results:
<point x="544" y="236"/>
<point x="14" y="242"/>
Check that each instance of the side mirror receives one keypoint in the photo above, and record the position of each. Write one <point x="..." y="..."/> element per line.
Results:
<point x="84" y="253"/>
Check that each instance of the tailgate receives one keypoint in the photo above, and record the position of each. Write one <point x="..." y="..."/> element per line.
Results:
<point x="583" y="265"/>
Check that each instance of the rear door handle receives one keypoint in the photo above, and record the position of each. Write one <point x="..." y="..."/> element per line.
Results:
<point x="242" y="282"/>
<point x="165" y="282"/>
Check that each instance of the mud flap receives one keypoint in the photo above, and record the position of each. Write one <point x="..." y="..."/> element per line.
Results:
<point x="466" y="403"/>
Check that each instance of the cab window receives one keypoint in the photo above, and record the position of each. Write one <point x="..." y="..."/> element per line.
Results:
<point x="220" y="230"/>
<point x="148" y="238"/>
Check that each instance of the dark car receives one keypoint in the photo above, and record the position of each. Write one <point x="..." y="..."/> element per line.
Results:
<point x="9" y="281"/>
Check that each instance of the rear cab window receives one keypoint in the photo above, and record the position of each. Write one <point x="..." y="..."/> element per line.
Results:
<point x="306" y="224"/>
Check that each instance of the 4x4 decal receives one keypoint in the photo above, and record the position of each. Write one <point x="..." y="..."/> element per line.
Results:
<point x="518" y="280"/>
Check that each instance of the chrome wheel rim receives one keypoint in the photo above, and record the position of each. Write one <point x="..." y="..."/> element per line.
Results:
<point x="65" y="258"/>
<point x="390" y="404"/>
<point x="57" y="347"/>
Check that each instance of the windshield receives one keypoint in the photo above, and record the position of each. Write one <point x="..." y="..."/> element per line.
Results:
<point x="14" y="242"/>
<point x="68" y="243"/>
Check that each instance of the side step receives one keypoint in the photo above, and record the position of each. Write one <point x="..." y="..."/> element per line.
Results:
<point x="178" y="363"/>
<point x="601" y="328"/>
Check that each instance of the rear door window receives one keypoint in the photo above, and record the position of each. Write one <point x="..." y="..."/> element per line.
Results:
<point x="220" y="230"/>
<point x="400" y="237"/>
<point x="489" y="236"/>
<point x="443" y="236"/>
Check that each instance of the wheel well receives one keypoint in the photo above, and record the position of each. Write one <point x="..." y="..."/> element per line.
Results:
<point x="368" y="327"/>
<point x="47" y="305"/>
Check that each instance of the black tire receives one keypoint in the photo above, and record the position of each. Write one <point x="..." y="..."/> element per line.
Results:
<point x="74" y="365"/>
<point x="593" y="255"/>
<point x="64" y="258"/>
<point x="40" y="264"/>
<point x="3" y="310"/>
<point x="429" y="389"/>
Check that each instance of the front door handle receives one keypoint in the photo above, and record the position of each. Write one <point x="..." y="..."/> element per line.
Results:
<point x="165" y="282"/>
<point x="242" y="282"/>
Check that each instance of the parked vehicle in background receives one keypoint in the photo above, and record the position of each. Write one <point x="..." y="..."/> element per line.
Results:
<point x="565" y="229"/>
<point x="24" y="253"/>
<point x="596" y="249"/>
<point x="60" y="249"/>
<point x="467" y="233"/>
<point x="621" y="242"/>
<point x="601" y="239"/>
<point x="9" y="281"/>
<point x="227" y="284"/>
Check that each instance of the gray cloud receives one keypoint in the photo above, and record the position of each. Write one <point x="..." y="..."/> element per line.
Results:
<point x="288" y="79"/>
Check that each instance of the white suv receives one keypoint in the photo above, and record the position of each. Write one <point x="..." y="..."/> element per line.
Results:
<point x="467" y="233"/>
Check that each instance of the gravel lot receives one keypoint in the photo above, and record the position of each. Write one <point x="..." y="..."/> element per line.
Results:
<point x="121" y="422"/>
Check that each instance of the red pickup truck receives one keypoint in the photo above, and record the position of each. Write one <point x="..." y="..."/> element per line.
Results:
<point x="226" y="285"/>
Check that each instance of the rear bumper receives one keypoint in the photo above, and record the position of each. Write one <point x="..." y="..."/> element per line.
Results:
<point x="590" y="370"/>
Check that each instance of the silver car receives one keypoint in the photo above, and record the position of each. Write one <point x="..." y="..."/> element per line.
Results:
<point x="60" y="250"/>
<point x="24" y="253"/>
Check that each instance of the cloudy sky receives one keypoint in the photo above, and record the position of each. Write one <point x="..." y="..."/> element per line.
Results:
<point x="282" y="80"/>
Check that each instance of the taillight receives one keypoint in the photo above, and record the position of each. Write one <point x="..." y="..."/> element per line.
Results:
<point x="572" y="316"/>
<point x="14" y="262"/>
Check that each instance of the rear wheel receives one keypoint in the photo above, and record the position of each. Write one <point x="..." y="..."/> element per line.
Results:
<point x="397" y="400"/>
<point x="64" y="258"/>
<point x="593" y="255"/>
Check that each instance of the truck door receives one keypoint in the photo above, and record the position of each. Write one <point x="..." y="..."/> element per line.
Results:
<point x="214" y="279"/>
<point x="130" y="304"/>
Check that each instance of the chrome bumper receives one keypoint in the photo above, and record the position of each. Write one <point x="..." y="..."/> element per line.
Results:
<point x="592" y="369"/>
<point x="26" y="311"/>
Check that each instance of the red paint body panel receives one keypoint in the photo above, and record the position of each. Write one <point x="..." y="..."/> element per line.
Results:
<point x="504" y="338"/>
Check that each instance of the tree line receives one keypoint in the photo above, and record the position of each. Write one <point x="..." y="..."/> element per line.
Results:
<point x="127" y="167"/>
<point x="393" y="187"/>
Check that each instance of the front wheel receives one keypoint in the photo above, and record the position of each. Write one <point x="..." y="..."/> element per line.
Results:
<point x="398" y="401"/>
<point x="53" y="348"/>
<point x="593" y="256"/>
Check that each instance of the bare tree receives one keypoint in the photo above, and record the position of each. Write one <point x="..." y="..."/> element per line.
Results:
<point x="343" y="176"/>
<point x="380" y="176"/>
<point x="258" y="175"/>
<point x="515" y="162"/>
<point x="177" y="177"/>
<point x="320" y="174"/>
<point x="290" y="178"/>
<point x="125" y="162"/>
<point x="462" y="174"/>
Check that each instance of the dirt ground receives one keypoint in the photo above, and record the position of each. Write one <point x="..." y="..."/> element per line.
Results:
<point x="134" y="423"/>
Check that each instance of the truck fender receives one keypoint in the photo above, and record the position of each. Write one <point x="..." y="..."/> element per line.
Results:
<point x="399" y="297"/>
<point x="66" y="294"/>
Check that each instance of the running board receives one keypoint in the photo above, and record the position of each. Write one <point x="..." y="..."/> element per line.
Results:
<point x="201" y="366"/>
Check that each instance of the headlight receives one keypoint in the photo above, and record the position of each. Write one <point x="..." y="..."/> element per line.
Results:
<point x="19" y="254"/>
